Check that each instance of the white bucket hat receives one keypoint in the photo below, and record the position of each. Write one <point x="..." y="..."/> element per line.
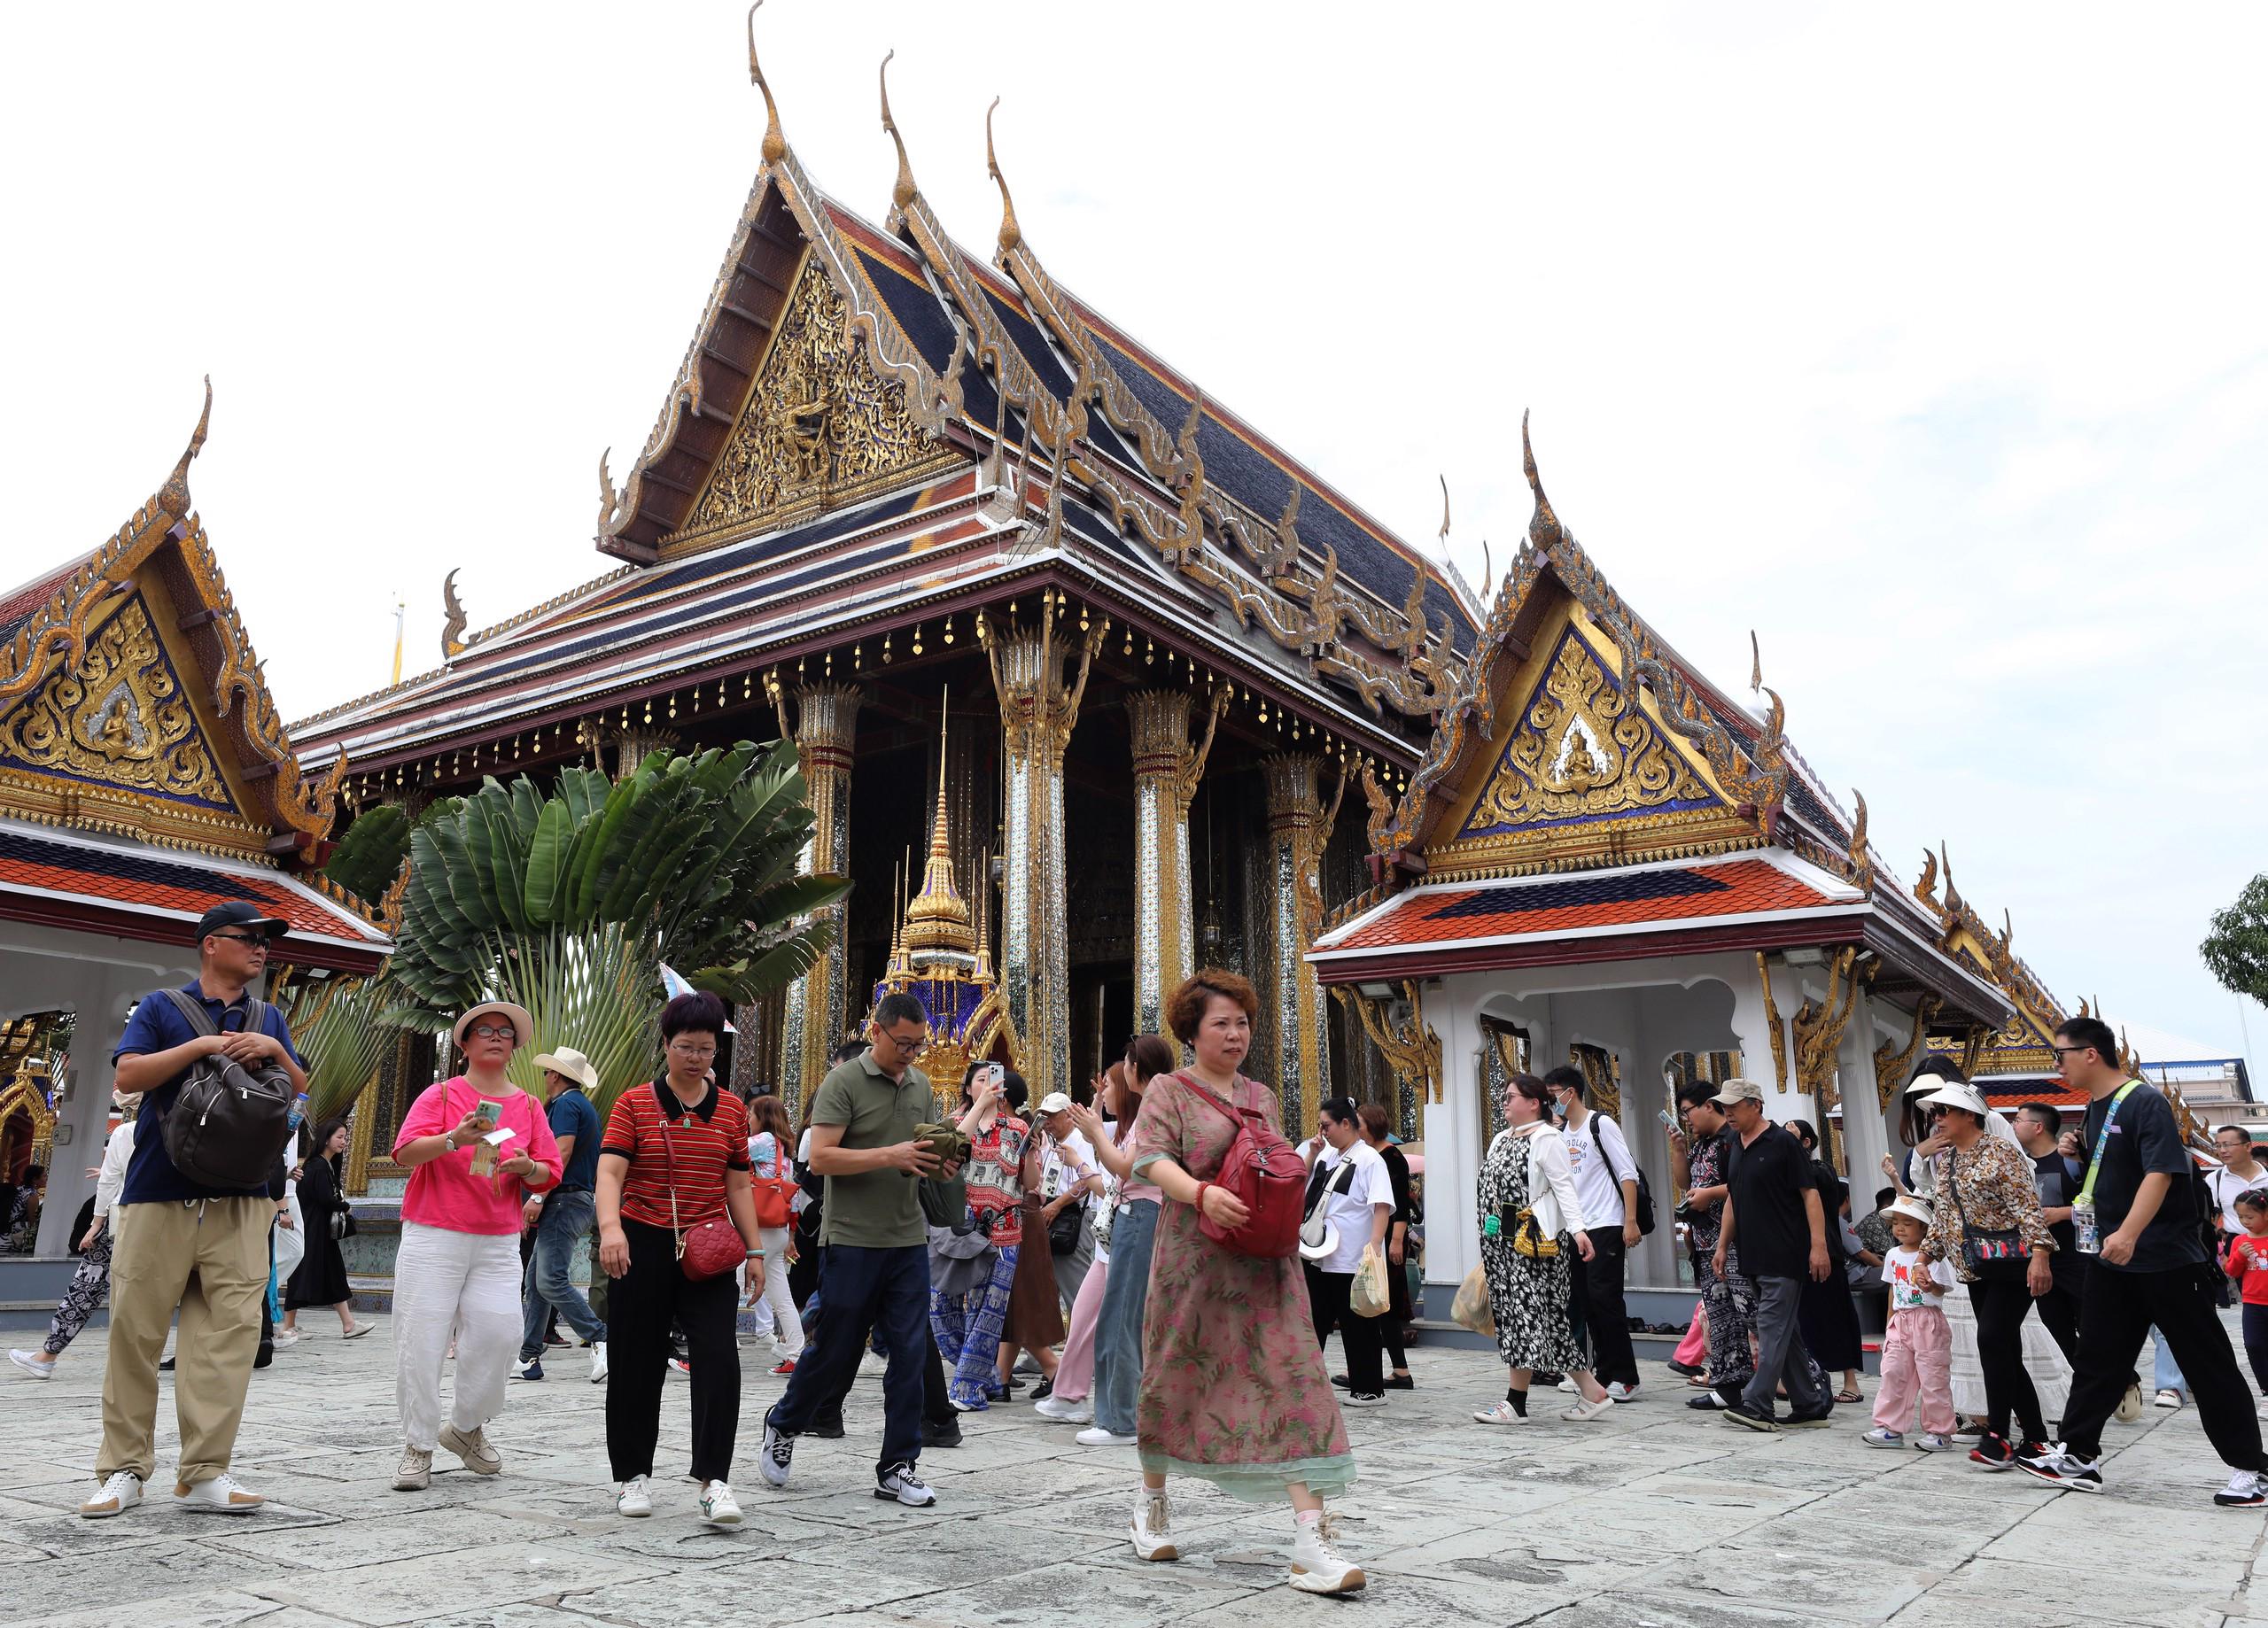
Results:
<point x="1913" y="1209"/>
<point x="1958" y="1094"/>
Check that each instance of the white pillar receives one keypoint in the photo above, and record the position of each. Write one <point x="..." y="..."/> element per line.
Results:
<point x="1455" y="1141"/>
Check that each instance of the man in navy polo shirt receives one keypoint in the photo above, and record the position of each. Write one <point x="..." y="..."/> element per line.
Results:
<point x="184" y="1247"/>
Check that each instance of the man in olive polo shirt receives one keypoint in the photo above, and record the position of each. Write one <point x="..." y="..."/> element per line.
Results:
<point x="877" y="1244"/>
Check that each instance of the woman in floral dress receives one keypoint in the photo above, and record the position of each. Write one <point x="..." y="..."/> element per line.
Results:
<point x="1233" y="1388"/>
<point x="1528" y="1188"/>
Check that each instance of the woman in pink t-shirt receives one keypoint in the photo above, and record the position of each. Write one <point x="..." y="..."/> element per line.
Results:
<point x="458" y="1268"/>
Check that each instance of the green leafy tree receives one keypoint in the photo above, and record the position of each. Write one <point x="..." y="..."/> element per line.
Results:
<point x="2236" y="951"/>
<point x="368" y="857"/>
<point x="568" y="903"/>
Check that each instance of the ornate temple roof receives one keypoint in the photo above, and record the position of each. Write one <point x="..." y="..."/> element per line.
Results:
<point x="870" y="419"/>
<point x="1587" y="795"/>
<point x="133" y="719"/>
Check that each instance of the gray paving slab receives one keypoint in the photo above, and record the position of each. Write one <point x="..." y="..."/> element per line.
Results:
<point x="1654" y="1516"/>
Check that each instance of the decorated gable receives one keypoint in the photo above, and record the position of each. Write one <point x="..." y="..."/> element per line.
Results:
<point x="1582" y="771"/>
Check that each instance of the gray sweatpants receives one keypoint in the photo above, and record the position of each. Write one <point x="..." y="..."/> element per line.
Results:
<point x="1781" y="1359"/>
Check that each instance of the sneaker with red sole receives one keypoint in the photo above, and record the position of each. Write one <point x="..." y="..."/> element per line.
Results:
<point x="1997" y="1452"/>
<point x="786" y="1367"/>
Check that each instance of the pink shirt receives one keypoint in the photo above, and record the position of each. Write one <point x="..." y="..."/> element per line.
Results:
<point x="443" y="1192"/>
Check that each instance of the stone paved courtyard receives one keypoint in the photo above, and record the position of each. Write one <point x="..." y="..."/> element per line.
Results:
<point x="1657" y="1518"/>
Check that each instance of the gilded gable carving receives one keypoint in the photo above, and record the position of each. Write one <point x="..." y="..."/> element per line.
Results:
<point x="1584" y="750"/>
<point x="820" y="422"/>
<point x="118" y="718"/>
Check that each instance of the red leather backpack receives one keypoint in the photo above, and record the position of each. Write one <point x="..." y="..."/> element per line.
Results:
<point x="1265" y="1174"/>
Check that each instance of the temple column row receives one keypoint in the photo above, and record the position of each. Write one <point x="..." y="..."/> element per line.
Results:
<point x="1299" y="830"/>
<point x="1167" y="772"/>
<point x="817" y="1007"/>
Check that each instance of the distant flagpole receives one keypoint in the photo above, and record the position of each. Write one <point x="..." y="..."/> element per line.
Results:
<point x="399" y="609"/>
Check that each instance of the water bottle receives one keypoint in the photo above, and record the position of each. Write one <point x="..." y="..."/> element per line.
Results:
<point x="298" y="1111"/>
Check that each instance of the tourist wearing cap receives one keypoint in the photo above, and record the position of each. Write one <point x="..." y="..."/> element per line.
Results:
<point x="1068" y="1176"/>
<point x="1531" y="1233"/>
<point x="1986" y="1224"/>
<point x="563" y="1215"/>
<point x="1773" y="1209"/>
<point x="182" y="1245"/>
<point x="674" y="1160"/>
<point x="475" y="1146"/>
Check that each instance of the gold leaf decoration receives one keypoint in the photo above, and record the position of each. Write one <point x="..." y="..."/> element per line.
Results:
<point x="116" y="719"/>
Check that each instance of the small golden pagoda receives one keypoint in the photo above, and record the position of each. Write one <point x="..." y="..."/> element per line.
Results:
<point x="941" y="954"/>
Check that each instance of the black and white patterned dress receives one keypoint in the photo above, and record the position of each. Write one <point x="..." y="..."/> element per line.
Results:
<point x="1528" y="1295"/>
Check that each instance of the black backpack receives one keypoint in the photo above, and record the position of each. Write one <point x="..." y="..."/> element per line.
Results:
<point x="1645" y="1187"/>
<point x="229" y="1123"/>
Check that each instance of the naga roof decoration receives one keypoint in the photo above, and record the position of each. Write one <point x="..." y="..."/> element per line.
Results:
<point x="2025" y="1043"/>
<point x="837" y="363"/>
<point x="131" y="702"/>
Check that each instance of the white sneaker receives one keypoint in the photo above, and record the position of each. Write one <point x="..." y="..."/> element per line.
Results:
<point x="900" y="1482"/>
<point x="632" y="1499"/>
<point x="1621" y="1392"/>
<point x="598" y="1362"/>
<point x="219" y="1496"/>
<point x="285" y="1338"/>
<point x="1566" y="1384"/>
<point x="415" y="1473"/>
<point x="473" y="1448"/>
<point x="1151" y="1530"/>
<point x="777" y="1456"/>
<point x="1317" y="1567"/>
<point x="34" y="1364"/>
<point x="1098" y="1436"/>
<point x="717" y="1505"/>
<point x="1063" y="1410"/>
<point x="2167" y="1398"/>
<point x="117" y="1494"/>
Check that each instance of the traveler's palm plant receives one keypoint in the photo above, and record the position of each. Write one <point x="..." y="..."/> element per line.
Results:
<point x="568" y="903"/>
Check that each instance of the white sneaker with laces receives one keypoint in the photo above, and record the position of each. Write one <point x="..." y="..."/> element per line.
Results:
<point x="717" y="1505"/>
<point x="415" y="1473"/>
<point x="473" y="1447"/>
<point x="219" y="1496"/>
<point x="2166" y="1399"/>
<point x="34" y="1364"/>
<point x="2247" y="1489"/>
<point x="285" y="1338"/>
<point x="634" y="1498"/>
<point x="1098" y="1436"/>
<point x="900" y="1483"/>
<point x="1063" y="1410"/>
<point x="1151" y="1528"/>
<point x="598" y="1362"/>
<point x="1317" y="1567"/>
<point x="777" y="1456"/>
<point x="116" y="1495"/>
<point x="1620" y="1392"/>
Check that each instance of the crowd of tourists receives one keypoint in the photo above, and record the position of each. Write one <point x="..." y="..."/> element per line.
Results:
<point x="1204" y="1260"/>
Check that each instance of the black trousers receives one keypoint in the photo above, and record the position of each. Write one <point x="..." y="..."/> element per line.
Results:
<point x="1600" y="1312"/>
<point x="936" y="1404"/>
<point x="2256" y="1342"/>
<point x="865" y="1290"/>
<point x="2000" y="1305"/>
<point x="642" y="1305"/>
<point x="1327" y="1293"/>
<point x="2184" y="1304"/>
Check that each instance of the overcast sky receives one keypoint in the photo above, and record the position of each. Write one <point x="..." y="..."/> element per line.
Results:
<point x="1929" y="343"/>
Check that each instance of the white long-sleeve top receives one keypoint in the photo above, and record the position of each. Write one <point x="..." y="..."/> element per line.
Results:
<point x="111" y="1178"/>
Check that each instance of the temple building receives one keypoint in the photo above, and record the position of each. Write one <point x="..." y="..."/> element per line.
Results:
<point x="890" y="471"/>
<point x="146" y="776"/>
<point x="1606" y="861"/>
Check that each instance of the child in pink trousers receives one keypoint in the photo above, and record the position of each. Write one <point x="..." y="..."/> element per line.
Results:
<point x="1917" y="1353"/>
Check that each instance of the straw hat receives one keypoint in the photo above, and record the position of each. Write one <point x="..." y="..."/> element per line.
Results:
<point x="522" y="1026"/>
<point x="571" y="1065"/>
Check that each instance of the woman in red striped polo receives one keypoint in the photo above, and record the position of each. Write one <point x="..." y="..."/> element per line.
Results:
<point x="675" y="1155"/>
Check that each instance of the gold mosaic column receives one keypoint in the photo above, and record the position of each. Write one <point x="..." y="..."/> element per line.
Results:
<point x="1166" y="775"/>
<point x="1039" y="704"/>
<point x="1298" y="829"/>
<point x="826" y="722"/>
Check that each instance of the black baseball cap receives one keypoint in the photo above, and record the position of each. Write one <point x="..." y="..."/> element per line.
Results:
<point x="237" y="913"/>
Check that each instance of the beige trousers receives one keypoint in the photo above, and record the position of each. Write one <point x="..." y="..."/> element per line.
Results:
<point x="210" y="1260"/>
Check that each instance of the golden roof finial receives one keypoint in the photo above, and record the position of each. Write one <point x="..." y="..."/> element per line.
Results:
<point x="174" y="495"/>
<point x="902" y="191"/>
<point x="1011" y="234"/>
<point x="1755" y="663"/>
<point x="1543" y="526"/>
<point x="1863" y="863"/>
<point x="980" y="895"/>
<point x="775" y="144"/>
<point x="1444" y="532"/>
<point x="1487" y="567"/>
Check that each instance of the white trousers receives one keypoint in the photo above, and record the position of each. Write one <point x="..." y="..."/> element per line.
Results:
<point x="786" y="1327"/>
<point x="460" y="1284"/>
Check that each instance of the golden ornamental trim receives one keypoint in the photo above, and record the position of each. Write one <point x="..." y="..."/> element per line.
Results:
<point x="1772" y="1019"/>
<point x="1893" y="1066"/>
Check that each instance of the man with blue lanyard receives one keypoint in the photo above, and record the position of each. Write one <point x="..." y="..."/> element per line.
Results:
<point x="2135" y="1212"/>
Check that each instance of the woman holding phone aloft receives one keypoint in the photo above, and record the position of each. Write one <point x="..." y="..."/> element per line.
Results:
<point x="457" y="1271"/>
<point x="1003" y="1162"/>
<point x="675" y="1155"/>
<point x="1233" y="1388"/>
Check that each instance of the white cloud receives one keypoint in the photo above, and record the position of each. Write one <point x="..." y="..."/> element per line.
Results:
<point x="1930" y="348"/>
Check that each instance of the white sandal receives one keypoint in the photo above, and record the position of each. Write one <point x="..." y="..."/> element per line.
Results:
<point x="1499" y="1413"/>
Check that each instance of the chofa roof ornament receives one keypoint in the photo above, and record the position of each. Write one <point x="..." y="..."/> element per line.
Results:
<point x="775" y="144"/>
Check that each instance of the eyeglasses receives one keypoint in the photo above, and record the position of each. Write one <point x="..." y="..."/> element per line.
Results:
<point x="906" y="1042"/>
<point x="490" y="1031"/>
<point x="2070" y="1050"/>
<point x="696" y="1053"/>
<point x="257" y="941"/>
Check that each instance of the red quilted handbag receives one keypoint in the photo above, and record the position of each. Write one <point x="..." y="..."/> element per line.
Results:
<point x="710" y="1249"/>
<point x="1264" y="1172"/>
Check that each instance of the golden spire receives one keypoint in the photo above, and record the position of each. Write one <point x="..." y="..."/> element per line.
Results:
<point x="981" y="896"/>
<point x="1444" y="533"/>
<point x="775" y="144"/>
<point x="1543" y="525"/>
<point x="174" y="495"/>
<point x="902" y="191"/>
<point x="1011" y="234"/>
<point x="937" y="920"/>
